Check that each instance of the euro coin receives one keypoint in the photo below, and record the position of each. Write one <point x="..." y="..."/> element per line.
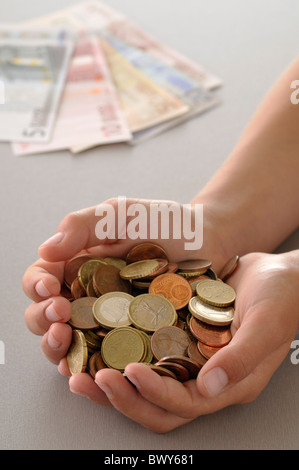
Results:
<point x="149" y="312"/>
<point x="210" y="313"/>
<point x="215" y="292"/>
<point x="111" y="310"/>
<point x="77" y="354"/>
<point x="121" y="346"/>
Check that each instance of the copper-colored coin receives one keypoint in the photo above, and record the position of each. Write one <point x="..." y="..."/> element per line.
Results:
<point x="101" y="332"/>
<point x="229" y="268"/>
<point x="90" y="292"/>
<point x="193" y="353"/>
<point x="96" y="363"/>
<point x="106" y="279"/>
<point x="207" y="351"/>
<point x="211" y="274"/>
<point x="65" y="292"/>
<point x="210" y="334"/>
<point x="162" y="371"/>
<point x="182" y="374"/>
<point x="72" y="267"/>
<point x="82" y="315"/>
<point x="192" y="366"/>
<point x="145" y="251"/>
<point x="174" y="288"/>
<point x="197" y="265"/>
<point x="163" y="263"/>
<point x="77" y="289"/>
<point x="169" y="341"/>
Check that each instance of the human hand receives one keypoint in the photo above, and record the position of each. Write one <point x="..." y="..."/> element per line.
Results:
<point x="47" y="316"/>
<point x="265" y="323"/>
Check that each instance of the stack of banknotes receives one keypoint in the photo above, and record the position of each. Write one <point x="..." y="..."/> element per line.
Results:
<point x="88" y="76"/>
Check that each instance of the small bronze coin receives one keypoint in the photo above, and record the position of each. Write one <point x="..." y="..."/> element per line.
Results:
<point x="145" y="251"/>
<point x="106" y="279"/>
<point x="182" y="374"/>
<point x="229" y="268"/>
<point x="96" y="363"/>
<point x="82" y="314"/>
<point x="90" y="292"/>
<point x="77" y="289"/>
<point x="207" y="351"/>
<point x="72" y="267"/>
<point x="174" y="288"/>
<point x="169" y="341"/>
<point x="210" y="334"/>
<point x="193" y="353"/>
<point x="192" y="366"/>
<point x="197" y="265"/>
<point x="162" y="371"/>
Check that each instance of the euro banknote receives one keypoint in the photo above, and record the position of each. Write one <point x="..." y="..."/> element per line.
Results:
<point x="90" y="112"/>
<point x="33" y="69"/>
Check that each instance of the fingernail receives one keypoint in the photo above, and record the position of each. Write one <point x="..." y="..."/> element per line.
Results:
<point x="215" y="380"/>
<point x="53" y="343"/>
<point x="41" y="289"/>
<point x="106" y="389"/>
<point x="51" y="314"/>
<point x="55" y="240"/>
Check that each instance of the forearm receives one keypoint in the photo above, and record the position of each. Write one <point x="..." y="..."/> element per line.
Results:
<point x="255" y="193"/>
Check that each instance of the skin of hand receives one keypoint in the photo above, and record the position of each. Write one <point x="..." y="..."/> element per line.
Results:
<point x="265" y="323"/>
<point x="266" y="294"/>
<point x="48" y="314"/>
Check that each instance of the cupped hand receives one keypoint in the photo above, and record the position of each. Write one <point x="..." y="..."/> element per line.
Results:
<point x="265" y="323"/>
<point x="47" y="316"/>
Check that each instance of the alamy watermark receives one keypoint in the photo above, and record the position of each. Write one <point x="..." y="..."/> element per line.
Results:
<point x="150" y="220"/>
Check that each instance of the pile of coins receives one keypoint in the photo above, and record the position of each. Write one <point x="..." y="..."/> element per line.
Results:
<point x="171" y="316"/>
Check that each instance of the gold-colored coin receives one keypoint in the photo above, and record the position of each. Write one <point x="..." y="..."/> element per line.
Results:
<point x="148" y="312"/>
<point x="121" y="346"/>
<point x="77" y="354"/>
<point x="139" y="269"/>
<point x="111" y="310"/>
<point x="87" y="269"/>
<point x="117" y="262"/>
<point x="215" y="292"/>
<point x="148" y="354"/>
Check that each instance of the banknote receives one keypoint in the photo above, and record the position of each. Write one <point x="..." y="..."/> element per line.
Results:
<point x="144" y="103"/>
<point x="185" y="88"/>
<point x="90" y="113"/>
<point x="33" y="69"/>
<point x="96" y="15"/>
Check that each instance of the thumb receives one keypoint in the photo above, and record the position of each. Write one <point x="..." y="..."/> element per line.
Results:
<point x="252" y="343"/>
<point x="78" y="231"/>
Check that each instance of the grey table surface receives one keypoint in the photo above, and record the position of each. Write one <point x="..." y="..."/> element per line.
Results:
<point x="247" y="44"/>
